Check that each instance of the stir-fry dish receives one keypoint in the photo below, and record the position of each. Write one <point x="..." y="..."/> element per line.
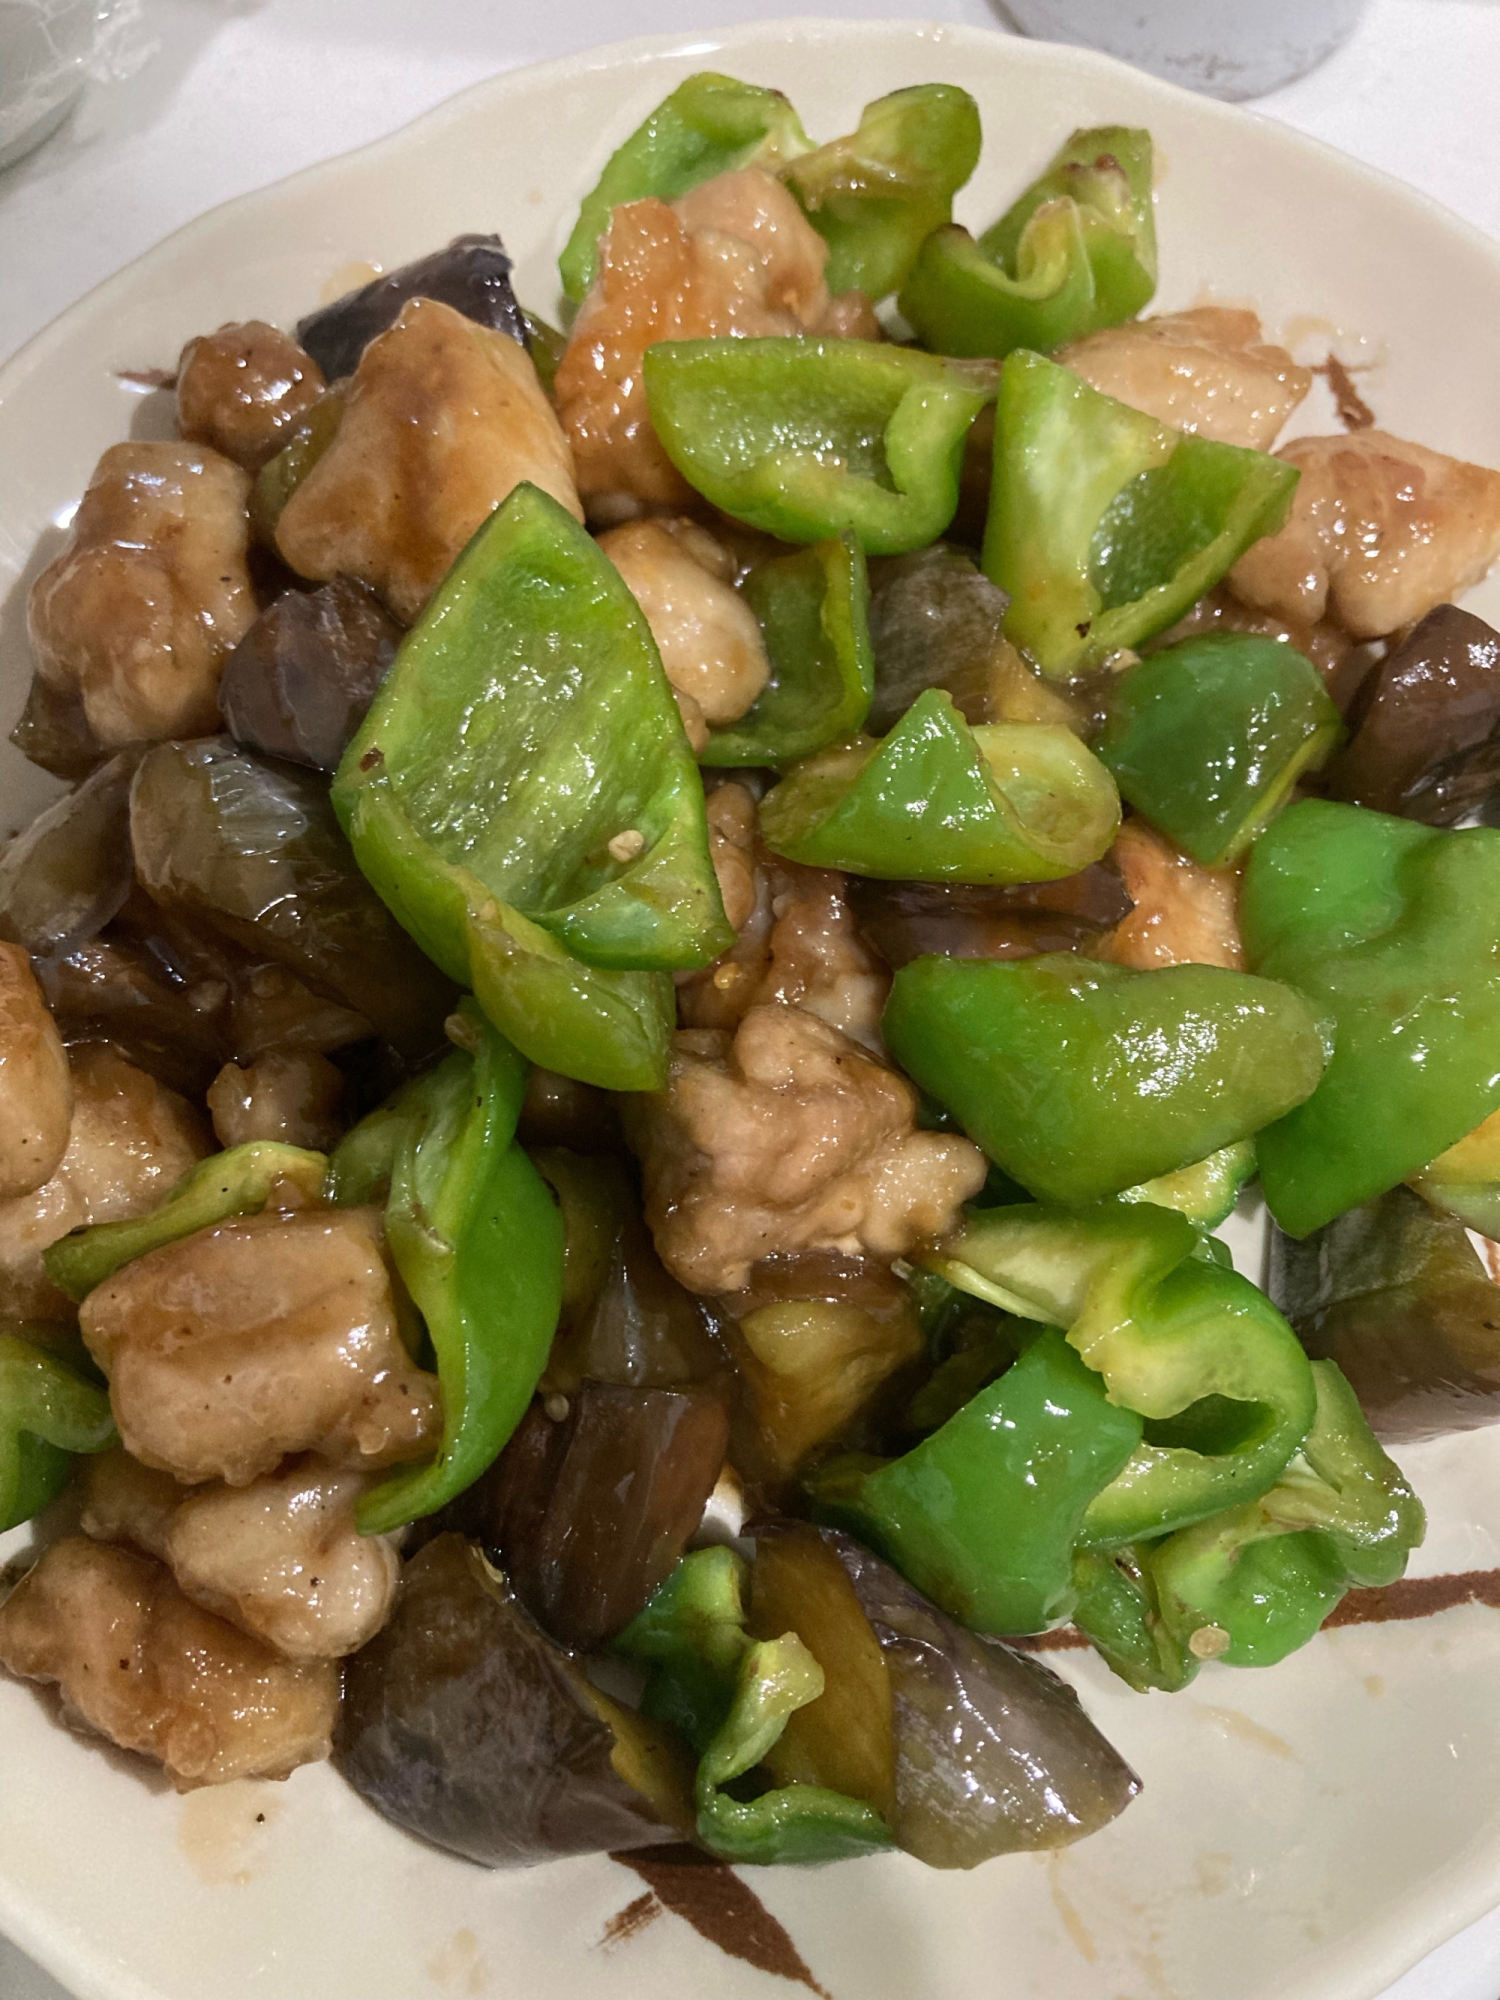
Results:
<point x="668" y="943"/>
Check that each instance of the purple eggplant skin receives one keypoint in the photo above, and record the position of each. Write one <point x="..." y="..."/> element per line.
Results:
<point x="994" y="1754"/>
<point x="1395" y="1293"/>
<point x="53" y="732"/>
<point x="589" y="1515"/>
<point x="70" y="871"/>
<point x="472" y="274"/>
<point x="300" y="682"/>
<point x="1425" y="724"/>
<point x="905" y="920"/>
<point x="464" y="1723"/>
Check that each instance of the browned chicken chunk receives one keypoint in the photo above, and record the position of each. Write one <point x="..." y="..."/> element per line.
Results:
<point x="734" y="256"/>
<point x="138" y="614"/>
<point x="1184" y="914"/>
<point x="259" y="1337"/>
<point x="1206" y="371"/>
<point x="708" y="637"/>
<point x="787" y="1137"/>
<point x="444" y="418"/>
<point x="137" y="1662"/>
<point x="36" y="1087"/>
<point x="293" y="1098"/>
<point x="243" y="389"/>
<point x="129" y="1140"/>
<point x="280" y="1558"/>
<point x="1380" y="532"/>
<point x="798" y="940"/>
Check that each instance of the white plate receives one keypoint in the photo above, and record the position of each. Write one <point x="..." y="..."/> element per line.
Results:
<point x="1305" y="1833"/>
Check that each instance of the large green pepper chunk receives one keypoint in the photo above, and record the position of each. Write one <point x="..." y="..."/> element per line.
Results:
<point x="939" y="801"/>
<point x="1105" y="525"/>
<point x="1082" y="1079"/>
<point x="814" y="613"/>
<point x="1200" y="1354"/>
<point x="1076" y="253"/>
<point x="523" y="797"/>
<point x="478" y="1241"/>
<point x="809" y="438"/>
<point x="877" y="195"/>
<point x="710" y="125"/>
<point x="48" y="1411"/>
<point x="241" y="1181"/>
<point x="1207" y="738"/>
<point x="1388" y="928"/>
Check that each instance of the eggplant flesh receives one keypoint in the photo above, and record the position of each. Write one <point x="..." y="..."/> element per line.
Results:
<point x="905" y="920"/>
<point x="70" y="871"/>
<point x="1425" y="724"/>
<point x="994" y="1754"/>
<point x="301" y="681"/>
<point x="464" y="1723"/>
<point x="1395" y="1293"/>
<point x="471" y="274"/>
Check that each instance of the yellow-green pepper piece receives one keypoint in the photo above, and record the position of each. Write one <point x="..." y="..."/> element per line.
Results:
<point x="939" y="801"/>
<point x="1105" y="525"/>
<point x="810" y="438"/>
<point x="1076" y="253"/>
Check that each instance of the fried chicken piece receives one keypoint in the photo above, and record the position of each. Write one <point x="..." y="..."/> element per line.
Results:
<point x="798" y="943"/>
<point x="733" y="256"/>
<point x="244" y="389"/>
<point x="444" y="419"/>
<point x="1206" y="371"/>
<point x="140" y="611"/>
<point x="129" y="1140"/>
<point x="258" y="1337"/>
<point x="36" y="1085"/>
<point x="787" y="1137"/>
<point x="1380" y="532"/>
<point x="137" y="1662"/>
<point x="708" y="637"/>
<point x="281" y="1558"/>
<point x="291" y="1097"/>
<point x="1184" y="914"/>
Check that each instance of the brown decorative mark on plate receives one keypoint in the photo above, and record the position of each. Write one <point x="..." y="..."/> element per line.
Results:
<point x="148" y="378"/>
<point x="1354" y="412"/>
<point x="632" y="1920"/>
<point x="720" y="1907"/>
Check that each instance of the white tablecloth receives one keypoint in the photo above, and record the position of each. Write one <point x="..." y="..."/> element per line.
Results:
<point x="220" y="96"/>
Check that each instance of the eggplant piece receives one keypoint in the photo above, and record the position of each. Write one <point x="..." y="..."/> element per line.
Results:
<point x="1425" y="724"/>
<point x="472" y="275"/>
<point x="1396" y="1294"/>
<point x="589" y="1516"/>
<point x="904" y="920"/>
<point x="464" y="1723"/>
<point x="300" y="682"/>
<point x="69" y="872"/>
<point x="279" y="478"/>
<point x="994" y="1754"/>
<point x="53" y="732"/>
<point x="253" y="850"/>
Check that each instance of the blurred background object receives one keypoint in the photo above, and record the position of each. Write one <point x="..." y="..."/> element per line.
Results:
<point x="1228" y="48"/>
<point x="48" y="51"/>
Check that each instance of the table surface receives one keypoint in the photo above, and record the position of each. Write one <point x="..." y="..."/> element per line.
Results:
<point x="209" y="98"/>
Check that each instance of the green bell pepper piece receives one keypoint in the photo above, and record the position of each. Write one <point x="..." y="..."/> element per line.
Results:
<point x="1252" y="1585"/>
<point x="809" y="438"/>
<point x="1465" y="1180"/>
<point x="1189" y="1345"/>
<point x="1082" y="1078"/>
<point x="1104" y="525"/>
<point x="1119" y="1613"/>
<point x="237" y="1182"/>
<point x="1076" y="253"/>
<point x="876" y="195"/>
<point x="814" y="613"/>
<point x="478" y="1241"/>
<point x="48" y="1411"/>
<point x="1207" y="738"/>
<point x="1205" y="1192"/>
<point x="731" y="1697"/>
<point x="710" y="124"/>
<point x="1387" y="926"/>
<point x="940" y="801"/>
<point x="525" y="725"/>
<point x="982" y="1516"/>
